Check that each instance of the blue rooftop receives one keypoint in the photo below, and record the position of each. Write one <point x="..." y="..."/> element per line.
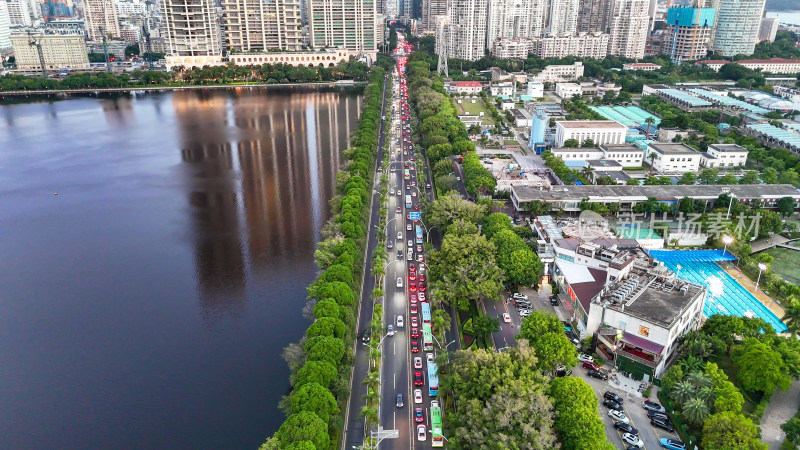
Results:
<point x="691" y="100"/>
<point x="728" y="101"/>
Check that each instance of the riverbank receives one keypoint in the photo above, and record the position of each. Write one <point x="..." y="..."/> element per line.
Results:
<point x="164" y="88"/>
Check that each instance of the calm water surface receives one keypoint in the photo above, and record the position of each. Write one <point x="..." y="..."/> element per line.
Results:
<point x="146" y="305"/>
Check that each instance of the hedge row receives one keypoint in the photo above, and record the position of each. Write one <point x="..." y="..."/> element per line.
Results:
<point x="321" y="384"/>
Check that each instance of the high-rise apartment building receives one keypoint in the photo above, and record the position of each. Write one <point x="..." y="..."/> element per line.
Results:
<point x="5" y="28"/>
<point x="583" y="45"/>
<point x="192" y="32"/>
<point x="563" y="17"/>
<point x="101" y="20"/>
<point x="19" y="13"/>
<point x="628" y="28"/>
<point x="406" y="8"/>
<point x="768" y="29"/>
<point x="462" y="33"/>
<point x="738" y="23"/>
<point x="259" y="25"/>
<point x="348" y="24"/>
<point x="688" y="33"/>
<point x="431" y="9"/>
<point x="593" y="15"/>
<point x="514" y="19"/>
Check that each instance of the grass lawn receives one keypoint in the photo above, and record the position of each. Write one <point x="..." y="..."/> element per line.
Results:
<point x="477" y="108"/>
<point x="514" y="142"/>
<point x="786" y="263"/>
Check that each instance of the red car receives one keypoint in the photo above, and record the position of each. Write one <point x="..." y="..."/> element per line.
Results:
<point x="414" y="321"/>
<point x="414" y="346"/>
<point x="422" y="277"/>
<point x="414" y="310"/>
<point x="418" y="415"/>
<point x="412" y="277"/>
<point x="414" y="333"/>
<point x="413" y="298"/>
<point x="416" y="207"/>
<point x="412" y="288"/>
<point x="412" y="268"/>
<point x="418" y="379"/>
<point x="590" y="365"/>
<point x="421" y="286"/>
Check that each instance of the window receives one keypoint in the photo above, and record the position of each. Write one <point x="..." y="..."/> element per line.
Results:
<point x="644" y="331"/>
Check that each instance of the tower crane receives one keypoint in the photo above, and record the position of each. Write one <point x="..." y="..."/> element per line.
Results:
<point x="38" y="45"/>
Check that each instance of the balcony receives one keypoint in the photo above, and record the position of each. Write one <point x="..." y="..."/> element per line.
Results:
<point x="639" y="355"/>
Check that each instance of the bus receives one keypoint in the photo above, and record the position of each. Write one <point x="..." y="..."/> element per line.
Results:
<point x="427" y="337"/>
<point x="406" y="174"/>
<point x="433" y="379"/>
<point x="419" y="234"/>
<point x="408" y="201"/>
<point x="426" y="312"/>
<point x="437" y="437"/>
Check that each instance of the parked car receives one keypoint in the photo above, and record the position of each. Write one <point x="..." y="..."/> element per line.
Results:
<point x="672" y="444"/>
<point x="583" y="357"/>
<point x="554" y="300"/>
<point x="519" y="295"/>
<point x="632" y="439"/>
<point x="399" y="400"/>
<point x="618" y="416"/>
<point x="597" y="374"/>
<point x="613" y="397"/>
<point x="611" y="404"/>
<point x="663" y="424"/>
<point x="626" y="428"/>
<point x="590" y="365"/>
<point x="656" y="414"/>
<point x="653" y="406"/>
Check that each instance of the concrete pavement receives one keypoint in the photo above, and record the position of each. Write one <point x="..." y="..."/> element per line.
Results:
<point x="782" y="407"/>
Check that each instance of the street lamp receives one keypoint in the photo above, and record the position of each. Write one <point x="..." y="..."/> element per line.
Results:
<point x="383" y="278"/>
<point x="761" y="268"/>
<point x="727" y="240"/>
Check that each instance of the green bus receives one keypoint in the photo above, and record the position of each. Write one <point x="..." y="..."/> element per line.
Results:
<point x="427" y="337"/>
<point x="437" y="438"/>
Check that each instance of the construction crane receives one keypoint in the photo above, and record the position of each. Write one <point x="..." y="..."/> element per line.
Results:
<point x="146" y="35"/>
<point x="38" y="45"/>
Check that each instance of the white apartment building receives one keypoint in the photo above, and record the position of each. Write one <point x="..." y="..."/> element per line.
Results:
<point x="19" y="13"/>
<point x="5" y="28"/>
<point x="462" y="34"/>
<point x="514" y="19"/>
<point x="347" y="24"/>
<point x="101" y="20"/>
<point x="626" y="155"/>
<point x="192" y="32"/>
<point x="501" y="89"/>
<point x="673" y="158"/>
<point x="768" y="29"/>
<point x="557" y="73"/>
<point x="738" y="23"/>
<point x="568" y="90"/>
<point x="583" y="45"/>
<point x="628" y="27"/>
<point x="328" y="58"/>
<point x="599" y="131"/>
<point x="259" y="25"/>
<point x="431" y="9"/>
<point x="508" y="48"/>
<point x="723" y="155"/>
<point x="65" y="50"/>
<point x="535" y="89"/>
<point x="131" y="8"/>
<point x="564" y="17"/>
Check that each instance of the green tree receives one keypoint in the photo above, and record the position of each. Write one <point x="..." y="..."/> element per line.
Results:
<point x="571" y="143"/>
<point x="760" y="368"/>
<point x="314" y="398"/>
<point x="649" y="121"/>
<point x="303" y="426"/>
<point x="483" y="326"/>
<point x="728" y="430"/>
<point x="440" y="322"/>
<point x="539" y="323"/>
<point x="449" y="208"/>
<point x="792" y="430"/>
<point x="577" y="422"/>
<point x="749" y="177"/>
<point x="494" y="223"/>
<point x="728" y="178"/>
<point x="786" y="206"/>
<point x="695" y="410"/>
<point x="724" y="327"/>
<point x="688" y="178"/>
<point x="321" y="372"/>
<point x="553" y="349"/>
<point x="670" y="379"/>
<point x="324" y="348"/>
<point x="709" y="176"/>
<point x="327" y="326"/>
<point x="328" y="308"/>
<point x="728" y="398"/>
<point x="682" y="391"/>
<point x="769" y="175"/>
<point x="517" y="260"/>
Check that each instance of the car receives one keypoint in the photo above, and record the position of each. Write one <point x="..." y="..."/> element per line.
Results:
<point x="632" y="439"/>
<point x="414" y="333"/>
<point x="399" y="253"/>
<point x="519" y="295"/>
<point x="611" y="404"/>
<point x="653" y="406"/>
<point x="418" y="378"/>
<point x="413" y="309"/>
<point x="399" y="282"/>
<point x="414" y="346"/>
<point x="663" y="424"/>
<point x="421" y="277"/>
<point x="389" y="330"/>
<point x="419" y="247"/>
<point x="414" y="193"/>
<point x="413" y="299"/>
<point x="554" y="300"/>
<point x="416" y="207"/>
<point x="408" y="227"/>
<point x="405" y="164"/>
<point x="410" y="244"/>
<point x="400" y="321"/>
<point x="399" y="400"/>
<point x="421" y="296"/>
<point x="400" y="235"/>
<point x="618" y="416"/>
<point x="656" y="414"/>
<point x="421" y="433"/>
<point x="672" y="444"/>
<point x="417" y="362"/>
<point x="412" y="277"/>
<point x="583" y="357"/>
<point x="597" y="374"/>
<point x="524" y="312"/>
<point x="518" y="302"/>
<point x="389" y="244"/>
<point x="419" y="416"/>
<point x="591" y="366"/>
<point x="420" y="258"/>
<point x="458" y="178"/>
<point x="408" y="187"/>
<point x="421" y="286"/>
<point x="414" y="321"/>
<point x="613" y="397"/>
<point x="412" y="287"/>
<point x="417" y="395"/>
<point x="626" y="428"/>
<point x="428" y="186"/>
<point x="365" y="336"/>
<point x="399" y="194"/>
<point x="399" y="210"/>
<point x="430" y="357"/>
<point x="506" y="318"/>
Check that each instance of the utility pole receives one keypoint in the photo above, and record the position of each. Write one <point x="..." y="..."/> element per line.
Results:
<point x="38" y="45"/>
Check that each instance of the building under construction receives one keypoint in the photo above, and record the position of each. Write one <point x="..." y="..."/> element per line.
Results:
<point x="688" y="33"/>
<point x="58" y="51"/>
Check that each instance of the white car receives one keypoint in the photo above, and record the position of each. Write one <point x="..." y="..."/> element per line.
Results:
<point x="418" y="362"/>
<point x="506" y="318"/>
<point x="583" y="357"/>
<point x="408" y="227"/>
<point x="417" y="395"/>
<point x="618" y="416"/>
<point x="400" y="235"/>
<point x="400" y="321"/>
<point x="414" y="193"/>
<point x="421" y="433"/>
<point x="632" y="439"/>
<point x="430" y="357"/>
<point x="520" y="295"/>
<point x="399" y="282"/>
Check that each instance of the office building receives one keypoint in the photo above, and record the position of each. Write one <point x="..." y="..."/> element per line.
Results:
<point x="738" y="23"/>
<point x="628" y="28"/>
<point x="462" y="33"/>
<point x="688" y="33"/>
<point x="405" y="8"/>
<point x="582" y="45"/>
<point x="723" y="155"/>
<point x="348" y="24"/>
<point x="131" y="8"/>
<point x="768" y="29"/>
<point x="192" y="32"/>
<point x="514" y="19"/>
<point x="772" y="65"/>
<point x="599" y="131"/>
<point x="673" y="158"/>
<point x="259" y="25"/>
<point x="57" y="9"/>
<point x="554" y="73"/>
<point x="431" y="9"/>
<point x="19" y="13"/>
<point x="568" y="90"/>
<point x="5" y="28"/>
<point x="563" y="17"/>
<point x="594" y="15"/>
<point x="67" y="50"/>
<point x="101" y="20"/>
<point x="464" y="87"/>
<point x="645" y="67"/>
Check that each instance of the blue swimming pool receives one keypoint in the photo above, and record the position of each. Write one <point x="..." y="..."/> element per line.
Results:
<point x="725" y="295"/>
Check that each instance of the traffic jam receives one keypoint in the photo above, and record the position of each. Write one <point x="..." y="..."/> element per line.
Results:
<point x="409" y="245"/>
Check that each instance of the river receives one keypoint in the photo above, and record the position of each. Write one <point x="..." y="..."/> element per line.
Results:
<point x="154" y="257"/>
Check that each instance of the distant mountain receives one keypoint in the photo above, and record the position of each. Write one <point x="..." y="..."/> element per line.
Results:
<point x="782" y="5"/>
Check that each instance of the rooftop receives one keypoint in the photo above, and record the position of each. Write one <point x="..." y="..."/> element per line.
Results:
<point x="590" y="124"/>
<point x="727" y="148"/>
<point x="600" y="163"/>
<point x="656" y="298"/>
<point x="769" y="61"/>
<point x="676" y="148"/>
<point x="616" y="175"/>
<point x="670" y="192"/>
<point x="691" y="100"/>
<point x="575" y="150"/>
<point x="641" y="65"/>
<point x="620" y="148"/>
<point x="466" y="83"/>
<point x="586" y="282"/>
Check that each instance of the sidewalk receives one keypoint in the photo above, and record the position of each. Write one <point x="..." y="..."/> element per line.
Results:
<point x="782" y="407"/>
<point x="748" y="284"/>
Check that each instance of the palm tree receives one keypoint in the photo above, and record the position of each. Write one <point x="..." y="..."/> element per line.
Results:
<point x="372" y="380"/>
<point x="682" y="391"/>
<point x="440" y="322"/>
<point x="587" y="172"/>
<point x="652" y="156"/>
<point x="649" y="121"/>
<point x="370" y="396"/>
<point x="690" y="363"/>
<point x="791" y="317"/>
<point x="370" y="414"/>
<point x="695" y="410"/>
<point x="698" y="379"/>
<point x="706" y="393"/>
<point x="374" y="356"/>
